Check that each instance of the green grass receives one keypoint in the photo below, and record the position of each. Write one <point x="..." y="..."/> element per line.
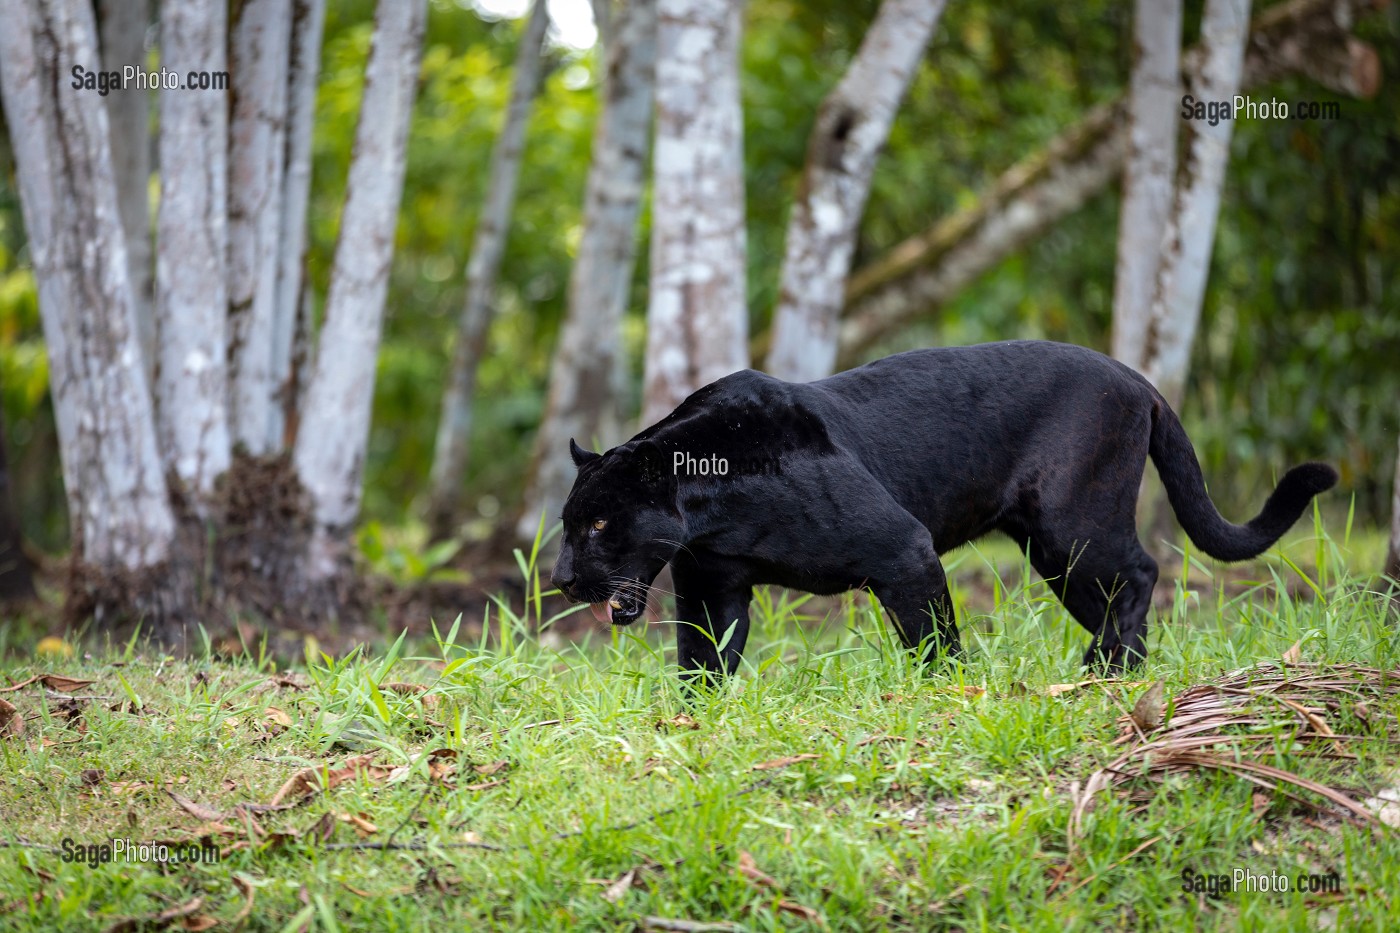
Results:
<point x="954" y="816"/>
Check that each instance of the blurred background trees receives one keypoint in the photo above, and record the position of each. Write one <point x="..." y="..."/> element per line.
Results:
<point x="992" y="213"/>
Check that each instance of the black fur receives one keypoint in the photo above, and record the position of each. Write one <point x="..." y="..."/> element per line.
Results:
<point x="864" y="478"/>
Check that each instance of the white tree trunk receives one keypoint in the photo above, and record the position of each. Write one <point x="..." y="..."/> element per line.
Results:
<point x="603" y="22"/>
<point x="1190" y="234"/>
<point x="483" y="272"/>
<point x="258" y="57"/>
<point x="123" y="35"/>
<point x="697" y="317"/>
<point x="1307" y="37"/>
<point x="334" y="433"/>
<point x="118" y="505"/>
<point x="584" y="386"/>
<point x="192" y="252"/>
<point x="1149" y="176"/>
<point x="308" y="20"/>
<point x="1392" y="558"/>
<point x="852" y="125"/>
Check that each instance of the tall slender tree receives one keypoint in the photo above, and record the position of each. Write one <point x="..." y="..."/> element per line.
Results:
<point x="258" y="59"/>
<point x="852" y="125"/>
<point x="586" y="374"/>
<point x="483" y="273"/>
<point x="1149" y="172"/>
<point x="1189" y="238"/>
<point x="191" y="388"/>
<point x="697" y="317"/>
<point x="290" y="311"/>
<point x="330" y="447"/>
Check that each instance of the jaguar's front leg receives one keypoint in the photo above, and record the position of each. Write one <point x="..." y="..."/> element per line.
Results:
<point x="712" y="612"/>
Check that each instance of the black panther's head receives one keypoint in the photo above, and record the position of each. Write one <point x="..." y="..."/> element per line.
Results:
<point x="621" y="526"/>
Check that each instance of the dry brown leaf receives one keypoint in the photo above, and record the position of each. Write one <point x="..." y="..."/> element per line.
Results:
<point x="197" y="810"/>
<point x="278" y="718"/>
<point x="309" y="781"/>
<point x="678" y="721"/>
<point x="11" y="722"/>
<point x="784" y="762"/>
<point x="246" y="887"/>
<point x="1150" y="707"/>
<point x="361" y="823"/>
<point x="39" y="873"/>
<point x="1295" y="654"/>
<point x="91" y="777"/>
<point x="440" y="769"/>
<point x="751" y="872"/>
<point x="158" y="921"/>
<point x="619" y="888"/>
<point x="801" y="910"/>
<point x="60" y="684"/>
<point x="404" y="688"/>
<point x="492" y="768"/>
<point x="199" y="922"/>
<point x="56" y="682"/>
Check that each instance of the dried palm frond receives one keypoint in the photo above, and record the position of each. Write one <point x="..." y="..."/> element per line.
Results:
<point x="1233" y="726"/>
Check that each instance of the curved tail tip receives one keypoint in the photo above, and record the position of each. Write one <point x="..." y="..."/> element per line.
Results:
<point x="1314" y="477"/>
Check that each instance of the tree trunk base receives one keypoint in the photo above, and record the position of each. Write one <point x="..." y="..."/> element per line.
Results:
<point x="157" y="602"/>
<point x="254" y="556"/>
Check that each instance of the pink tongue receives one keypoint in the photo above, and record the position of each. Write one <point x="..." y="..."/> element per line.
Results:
<point x="601" y="611"/>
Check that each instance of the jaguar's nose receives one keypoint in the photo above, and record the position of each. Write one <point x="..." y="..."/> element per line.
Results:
<point x="562" y="581"/>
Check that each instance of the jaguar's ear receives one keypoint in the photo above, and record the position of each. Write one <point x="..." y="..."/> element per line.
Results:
<point x="580" y="455"/>
<point x="650" y="461"/>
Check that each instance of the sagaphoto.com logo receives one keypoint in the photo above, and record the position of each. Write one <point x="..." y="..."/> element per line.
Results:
<point x="131" y="78"/>
<point x="1247" y="881"/>
<point x="132" y="852"/>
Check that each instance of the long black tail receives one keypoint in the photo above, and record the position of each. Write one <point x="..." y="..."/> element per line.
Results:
<point x="1186" y="490"/>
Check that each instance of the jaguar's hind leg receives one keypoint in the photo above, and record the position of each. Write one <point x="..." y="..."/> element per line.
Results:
<point x="1107" y="587"/>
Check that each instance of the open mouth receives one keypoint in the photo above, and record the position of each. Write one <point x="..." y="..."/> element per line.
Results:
<point x="622" y="608"/>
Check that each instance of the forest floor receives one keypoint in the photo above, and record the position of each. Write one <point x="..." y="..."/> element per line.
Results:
<point x="466" y="782"/>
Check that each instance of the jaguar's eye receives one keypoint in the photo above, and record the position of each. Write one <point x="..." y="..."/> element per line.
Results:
<point x="599" y="525"/>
